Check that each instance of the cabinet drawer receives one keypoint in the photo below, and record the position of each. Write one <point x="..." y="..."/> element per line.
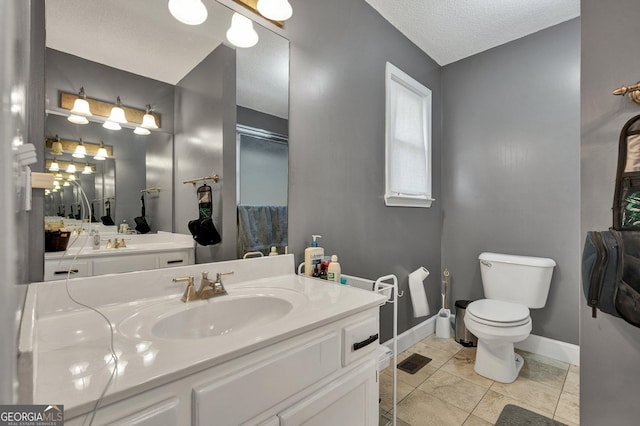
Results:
<point x="169" y="260"/>
<point x="124" y="263"/>
<point x="237" y="398"/>
<point x="55" y="270"/>
<point x="359" y="339"/>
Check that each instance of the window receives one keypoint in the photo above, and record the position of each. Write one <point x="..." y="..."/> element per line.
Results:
<point x="408" y="141"/>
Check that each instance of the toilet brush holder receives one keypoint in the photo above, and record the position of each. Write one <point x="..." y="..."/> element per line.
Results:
<point x="443" y="324"/>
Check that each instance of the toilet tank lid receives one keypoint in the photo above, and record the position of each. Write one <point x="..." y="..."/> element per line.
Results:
<point x="518" y="260"/>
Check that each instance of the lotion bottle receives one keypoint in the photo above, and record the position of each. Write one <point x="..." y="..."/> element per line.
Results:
<point x="313" y="256"/>
<point x="333" y="273"/>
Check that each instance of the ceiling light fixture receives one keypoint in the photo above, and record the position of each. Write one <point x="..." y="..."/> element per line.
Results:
<point x="190" y="12"/>
<point x="277" y="10"/>
<point x="241" y="32"/>
<point x="80" y="151"/>
<point x="102" y="153"/>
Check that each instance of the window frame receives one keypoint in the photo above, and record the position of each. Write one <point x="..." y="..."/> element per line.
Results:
<point x="393" y="75"/>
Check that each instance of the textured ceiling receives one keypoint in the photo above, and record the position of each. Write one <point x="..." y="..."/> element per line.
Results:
<point x="450" y="30"/>
<point x="141" y="36"/>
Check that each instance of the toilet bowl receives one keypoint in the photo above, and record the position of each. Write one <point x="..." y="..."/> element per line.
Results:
<point x="512" y="284"/>
<point x="498" y="325"/>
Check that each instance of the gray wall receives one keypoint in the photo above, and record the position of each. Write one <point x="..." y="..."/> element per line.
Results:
<point x="511" y="166"/>
<point x="336" y="153"/>
<point x="609" y="347"/>
<point x="260" y="120"/>
<point x="205" y="111"/>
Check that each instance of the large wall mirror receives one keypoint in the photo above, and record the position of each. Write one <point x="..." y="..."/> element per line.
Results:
<point x="137" y="51"/>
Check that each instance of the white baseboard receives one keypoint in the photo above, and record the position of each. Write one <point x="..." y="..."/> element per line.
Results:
<point x="555" y="349"/>
<point x="561" y="351"/>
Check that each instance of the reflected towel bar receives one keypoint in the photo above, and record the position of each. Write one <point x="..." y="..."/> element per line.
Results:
<point x="214" y="178"/>
<point x="148" y="190"/>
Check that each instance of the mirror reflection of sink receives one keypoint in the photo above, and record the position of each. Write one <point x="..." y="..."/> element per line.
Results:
<point x="222" y="317"/>
<point x="242" y="309"/>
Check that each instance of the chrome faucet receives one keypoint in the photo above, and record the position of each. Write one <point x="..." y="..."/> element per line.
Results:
<point x="207" y="290"/>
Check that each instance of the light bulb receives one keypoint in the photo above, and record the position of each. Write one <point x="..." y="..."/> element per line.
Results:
<point x="71" y="168"/>
<point x="190" y="12"/>
<point x="54" y="167"/>
<point x="87" y="170"/>
<point x="277" y="10"/>
<point x="141" y="131"/>
<point x="241" y="32"/>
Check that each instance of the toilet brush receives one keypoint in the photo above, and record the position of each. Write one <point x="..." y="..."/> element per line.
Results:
<point x="443" y="321"/>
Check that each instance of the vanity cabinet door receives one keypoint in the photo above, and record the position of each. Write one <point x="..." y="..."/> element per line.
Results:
<point x="351" y="400"/>
<point x="56" y="270"/>
<point x="164" y="413"/>
<point x="170" y="260"/>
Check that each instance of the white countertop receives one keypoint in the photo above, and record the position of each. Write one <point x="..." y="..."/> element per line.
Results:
<point x="71" y="343"/>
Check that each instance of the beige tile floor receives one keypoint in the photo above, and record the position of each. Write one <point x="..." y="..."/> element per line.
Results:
<point x="447" y="392"/>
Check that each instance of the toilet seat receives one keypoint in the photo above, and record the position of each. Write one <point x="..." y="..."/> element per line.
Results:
<point x="497" y="313"/>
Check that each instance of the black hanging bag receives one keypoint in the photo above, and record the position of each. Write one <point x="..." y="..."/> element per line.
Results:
<point x="202" y="229"/>
<point x="611" y="259"/>
<point x="106" y="219"/>
<point x="141" y="222"/>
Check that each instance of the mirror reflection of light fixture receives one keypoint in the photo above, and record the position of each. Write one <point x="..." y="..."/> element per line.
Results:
<point x="56" y="147"/>
<point x="80" y="151"/>
<point x="142" y="131"/>
<point x="72" y="177"/>
<point x="148" y="120"/>
<point x="116" y="117"/>
<point x="277" y="10"/>
<point x="87" y="170"/>
<point x="54" y="167"/>
<point x="66" y="183"/>
<point x="241" y="32"/>
<point x="55" y="189"/>
<point x="102" y="153"/>
<point x="71" y="168"/>
<point x="80" y="110"/>
<point x="190" y="12"/>
<point x="57" y="177"/>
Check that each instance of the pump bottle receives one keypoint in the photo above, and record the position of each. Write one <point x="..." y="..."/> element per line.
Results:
<point x="313" y="256"/>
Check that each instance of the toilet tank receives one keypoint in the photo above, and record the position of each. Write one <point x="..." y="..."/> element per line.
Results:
<point x="517" y="279"/>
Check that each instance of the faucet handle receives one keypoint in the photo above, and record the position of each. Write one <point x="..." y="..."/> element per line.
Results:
<point x="190" y="292"/>
<point x="219" y="275"/>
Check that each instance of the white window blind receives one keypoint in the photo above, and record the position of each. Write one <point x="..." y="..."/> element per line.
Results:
<point x="408" y="141"/>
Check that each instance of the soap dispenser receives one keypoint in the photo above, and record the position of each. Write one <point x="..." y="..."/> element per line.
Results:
<point x="313" y="256"/>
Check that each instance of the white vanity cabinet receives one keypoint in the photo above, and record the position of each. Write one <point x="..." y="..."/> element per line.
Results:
<point x="301" y="380"/>
<point x="114" y="261"/>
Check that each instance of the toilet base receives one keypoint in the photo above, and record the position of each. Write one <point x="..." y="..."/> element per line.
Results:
<point x="498" y="361"/>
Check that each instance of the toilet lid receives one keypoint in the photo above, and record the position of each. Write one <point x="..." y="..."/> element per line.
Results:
<point x="498" y="311"/>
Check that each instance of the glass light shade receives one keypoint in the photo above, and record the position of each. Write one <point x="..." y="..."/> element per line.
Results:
<point x="149" y="122"/>
<point x="56" y="148"/>
<point x="87" y="170"/>
<point x="81" y="107"/>
<point x="57" y="177"/>
<point x="66" y="183"/>
<point x="55" y="189"/>
<point x="78" y="119"/>
<point x="190" y="12"/>
<point x="72" y="177"/>
<point x="80" y="151"/>
<point x="141" y="131"/>
<point x="241" y="32"/>
<point x="278" y="10"/>
<point x="54" y="167"/>
<point x="117" y="115"/>
<point x="111" y="125"/>
<point x="71" y="168"/>
<point x="47" y="192"/>
<point x="102" y="154"/>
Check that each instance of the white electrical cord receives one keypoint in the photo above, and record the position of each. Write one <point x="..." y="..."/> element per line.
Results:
<point x="114" y="356"/>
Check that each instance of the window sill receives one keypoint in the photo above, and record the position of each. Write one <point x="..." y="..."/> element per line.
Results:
<point x="398" y="201"/>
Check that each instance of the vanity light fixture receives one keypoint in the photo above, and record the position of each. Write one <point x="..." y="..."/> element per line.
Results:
<point x="80" y="151"/>
<point x="57" y="177"/>
<point x="241" y="32"/>
<point x="87" y="170"/>
<point x="55" y="189"/>
<point x="277" y="10"/>
<point x="56" y="147"/>
<point x="54" y="167"/>
<point x="102" y="152"/>
<point x="71" y="168"/>
<point x="116" y="117"/>
<point x="72" y="177"/>
<point x="190" y="12"/>
<point x="66" y="183"/>
<point x="78" y="119"/>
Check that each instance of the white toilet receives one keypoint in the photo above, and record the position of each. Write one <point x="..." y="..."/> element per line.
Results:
<point x="512" y="284"/>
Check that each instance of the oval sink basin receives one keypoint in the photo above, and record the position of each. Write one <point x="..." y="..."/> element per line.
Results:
<point x="222" y="317"/>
